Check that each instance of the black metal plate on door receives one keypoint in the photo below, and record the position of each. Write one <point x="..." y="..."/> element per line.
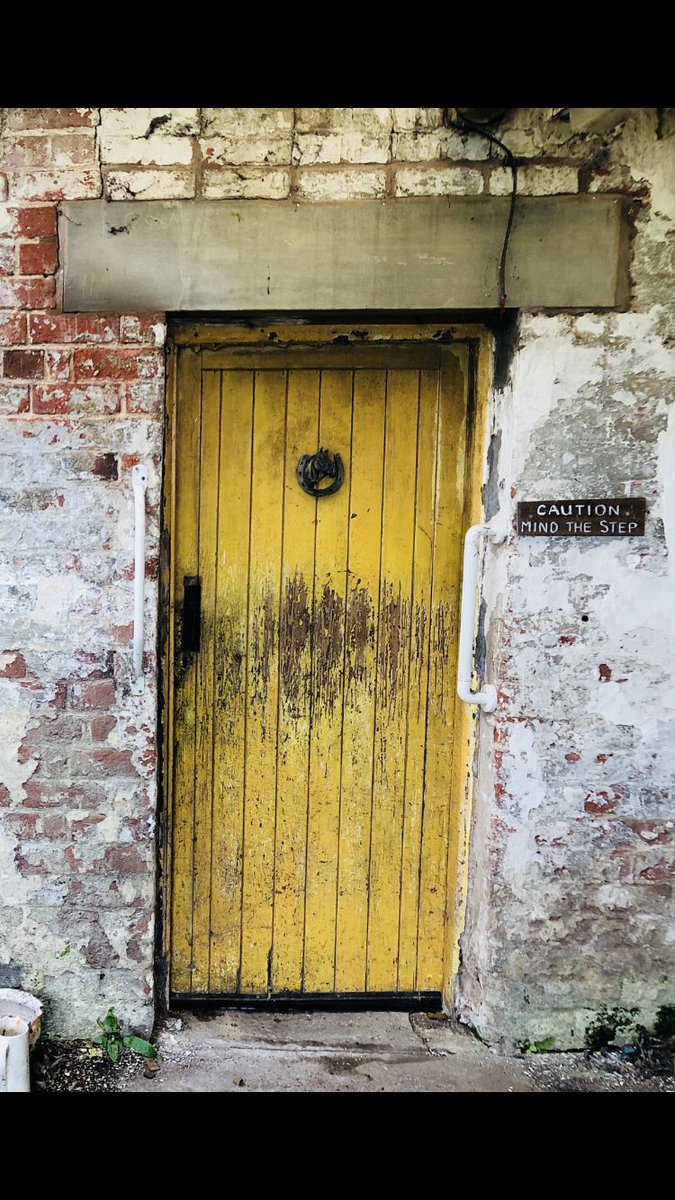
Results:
<point x="192" y="614"/>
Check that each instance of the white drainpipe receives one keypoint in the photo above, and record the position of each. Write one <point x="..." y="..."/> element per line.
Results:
<point x="139" y="476"/>
<point x="486" y="697"/>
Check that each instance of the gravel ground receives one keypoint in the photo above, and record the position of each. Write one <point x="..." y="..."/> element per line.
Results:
<point x="605" y="1071"/>
<point x="79" y="1067"/>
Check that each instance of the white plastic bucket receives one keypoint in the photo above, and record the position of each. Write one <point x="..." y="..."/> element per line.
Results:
<point x="14" y="1003"/>
<point x="14" y="1067"/>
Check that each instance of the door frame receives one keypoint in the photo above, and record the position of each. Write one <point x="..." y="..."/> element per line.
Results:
<point x="227" y="334"/>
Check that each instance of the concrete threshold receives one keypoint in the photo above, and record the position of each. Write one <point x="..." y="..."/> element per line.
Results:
<point x="325" y="1052"/>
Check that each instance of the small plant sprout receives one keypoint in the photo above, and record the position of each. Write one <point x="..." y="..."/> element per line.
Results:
<point x="113" y="1040"/>
<point x="540" y="1047"/>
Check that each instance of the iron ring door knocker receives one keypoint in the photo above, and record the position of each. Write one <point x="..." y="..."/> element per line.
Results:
<point x="313" y="468"/>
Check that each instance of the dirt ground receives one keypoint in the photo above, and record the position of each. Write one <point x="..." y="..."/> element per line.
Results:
<point x="337" y="1052"/>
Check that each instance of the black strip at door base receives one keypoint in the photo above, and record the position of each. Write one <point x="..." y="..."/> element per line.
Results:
<point x="313" y="1001"/>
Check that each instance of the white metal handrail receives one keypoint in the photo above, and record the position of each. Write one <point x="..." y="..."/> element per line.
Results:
<point x="486" y="697"/>
<point x="139" y="477"/>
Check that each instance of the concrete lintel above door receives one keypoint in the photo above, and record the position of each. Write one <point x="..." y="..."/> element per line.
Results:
<point x="261" y="255"/>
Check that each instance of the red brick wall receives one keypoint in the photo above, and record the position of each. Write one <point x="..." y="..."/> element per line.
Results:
<point x="81" y="399"/>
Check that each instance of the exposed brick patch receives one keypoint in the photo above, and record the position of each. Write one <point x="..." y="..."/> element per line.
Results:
<point x="49" y="793"/>
<point x="151" y="568"/>
<point x="29" y="866"/>
<point x="12" y="328"/>
<point x="73" y="861"/>
<point x="22" y="825"/>
<point x="125" y="860"/>
<point x="601" y="805"/>
<point x="34" y="826"/>
<point x="28" y="293"/>
<point x="148" y="329"/>
<point x="122" y="633"/>
<point x="127" y="363"/>
<point x="99" y="951"/>
<point x="144" y="397"/>
<point x="114" y="762"/>
<point x="14" y="399"/>
<point x="15" y="668"/>
<point x="37" y="222"/>
<point x="56" y="150"/>
<point x="58" y="362"/>
<point x="54" y="826"/>
<point x="660" y="871"/>
<point x="59" y="730"/>
<point x="100" y="694"/>
<point x="105" y="466"/>
<point x="74" y="327"/>
<point x="101" y="727"/>
<point x="73" y="398"/>
<point x="23" y="364"/>
<point x="38" y="258"/>
<point x="91" y="819"/>
<point x="51" y="118"/>
<point x="649" y="831"/>
<point x="81" y="183"/>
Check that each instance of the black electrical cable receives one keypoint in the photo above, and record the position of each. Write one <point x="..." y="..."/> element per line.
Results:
<point x="464" y="125"/>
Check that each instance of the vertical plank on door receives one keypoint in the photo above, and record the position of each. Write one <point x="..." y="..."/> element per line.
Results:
<point x="185" y="549"/>
<point x="328" y="625"/>
<point x="418" y="679"/>
<point x="262" y="678"/>
<point x="363" y="585"/>
<point x="398" y="527"/>
<point x="208" y="535"/>
<point x="442" y="672"/>
<point x="231" y="622"/>
<point x="295" y="673"/>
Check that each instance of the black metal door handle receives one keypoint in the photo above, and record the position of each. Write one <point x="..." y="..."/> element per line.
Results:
<point x="192" y="614"/>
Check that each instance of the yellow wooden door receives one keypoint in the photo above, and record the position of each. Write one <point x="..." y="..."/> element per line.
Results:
<point x="314" y="668"/>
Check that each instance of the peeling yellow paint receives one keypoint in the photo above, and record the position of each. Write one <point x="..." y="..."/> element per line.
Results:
<point x="314" y="731"/>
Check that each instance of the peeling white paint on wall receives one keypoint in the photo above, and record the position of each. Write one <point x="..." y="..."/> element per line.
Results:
<point x="13" y="771"/>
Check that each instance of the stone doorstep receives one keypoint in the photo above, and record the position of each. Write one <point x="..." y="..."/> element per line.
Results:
<point x="323" y="1052"/>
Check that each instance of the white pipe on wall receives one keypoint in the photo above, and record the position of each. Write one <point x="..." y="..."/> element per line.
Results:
<point x="139" y="477"/>
<point x="486" y="698"/>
